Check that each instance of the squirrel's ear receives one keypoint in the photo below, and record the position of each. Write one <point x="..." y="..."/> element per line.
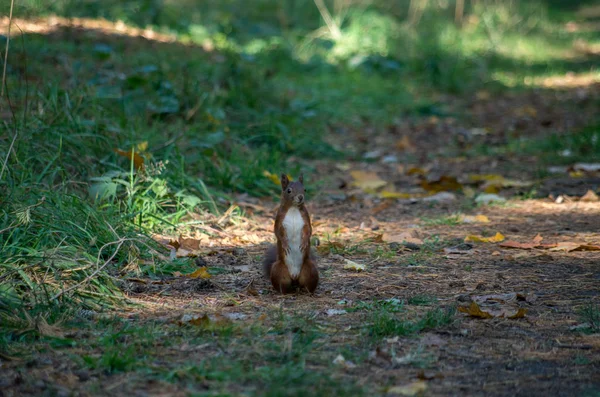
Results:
<point x="301" y="178"/>
<point x="284" y="181"/>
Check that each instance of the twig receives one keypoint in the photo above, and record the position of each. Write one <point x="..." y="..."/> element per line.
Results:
<point x="12" y="3"/>
<point x="120" y="243"/>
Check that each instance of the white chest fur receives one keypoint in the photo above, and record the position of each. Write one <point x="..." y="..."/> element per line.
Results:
<point x="293" y="224"/>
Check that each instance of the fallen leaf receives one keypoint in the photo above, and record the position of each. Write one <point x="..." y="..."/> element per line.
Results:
<point x="417" y="388"/>
<point x="474" y="219"/>
<point x="201" y="272"/>
<point x="386" y="194"/>
<point x="351" y="265"/>
<point x="367" y="181"/>
<point x="480" y="239"/>
<point x="416" y="171"/>
<point x="443" y="184"/>
<point x="138" y="161"/>
<point x="405" y="144"/>
<point x="590" y="197"/>
<point x="474" y="311"/>
<point x="384" y="205"/>
<point x="404" y="237"/>
<point x="568" y="247"/>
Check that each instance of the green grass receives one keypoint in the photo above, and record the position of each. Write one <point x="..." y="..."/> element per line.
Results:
<point x="277" y="90"/>
<point x="450" y="220"/>
<point x="590" y="315"/>
<point x="383" y="323"/>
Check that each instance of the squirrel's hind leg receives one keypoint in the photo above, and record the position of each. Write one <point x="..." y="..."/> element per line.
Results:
<point x="280" y="278"/>
<point x="309" y="276"/>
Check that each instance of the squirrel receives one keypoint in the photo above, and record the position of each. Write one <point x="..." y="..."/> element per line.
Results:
<point x="290" y="264"/>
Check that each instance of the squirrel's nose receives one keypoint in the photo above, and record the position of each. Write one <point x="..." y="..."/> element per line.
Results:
<point x="301" y="197"/>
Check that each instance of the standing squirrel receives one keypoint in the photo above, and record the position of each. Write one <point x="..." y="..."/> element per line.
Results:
<point x="290" y="264"/>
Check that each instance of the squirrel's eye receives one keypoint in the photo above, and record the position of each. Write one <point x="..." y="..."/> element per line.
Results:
<point x="289" y="191"/>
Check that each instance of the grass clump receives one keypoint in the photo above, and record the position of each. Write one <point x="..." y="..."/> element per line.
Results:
<point x="383" y="323"/>
<point x="589" y="315"/>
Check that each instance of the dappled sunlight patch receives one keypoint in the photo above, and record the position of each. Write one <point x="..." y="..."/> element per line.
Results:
<point x="53" y="23"/>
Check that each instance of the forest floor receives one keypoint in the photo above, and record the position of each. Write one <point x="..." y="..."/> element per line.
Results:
<point x="426" y="288"/>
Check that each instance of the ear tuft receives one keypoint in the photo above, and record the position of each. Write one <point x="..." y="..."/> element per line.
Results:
<point x="284" y="181"/>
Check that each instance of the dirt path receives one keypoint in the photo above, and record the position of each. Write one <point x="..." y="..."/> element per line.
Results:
<point x="391" y="328"/>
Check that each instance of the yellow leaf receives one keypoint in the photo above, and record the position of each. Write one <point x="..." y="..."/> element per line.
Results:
<point x="201" y="272"/>
<point x="142" y="146"/>
<point x="576" y="174"/>
<point x="351" y="265"/>
<point x="474" y="311"/>
<point x="480" y="239"/>
<point x="412" y="389"/>
<point x="474" y="219"/>
<point x="519" y="314"/>
<point x="273" y="177"/>
<point x="590" y="196"/>
<point x="386" y="194"/>
<point x="443" y="184"/>
<point x="367" y="181"/>
<point x="416" y="171"/>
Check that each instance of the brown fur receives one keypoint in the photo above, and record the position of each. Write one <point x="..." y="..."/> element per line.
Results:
<point x="274" y="266"/>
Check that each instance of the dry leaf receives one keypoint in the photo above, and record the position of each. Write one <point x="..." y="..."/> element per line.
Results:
<point x="590" y="197"/>
<point x="474" y="311"/>
<point x="405" y="144"/>
<point x="367" y="181"/>
<point x="443" y="184"/>
<point x="404" y="237"/>
<point x="416" y="171"/>
<point x="412" y="389"/>
<point x="480" y="239"/>
<point x="386" y="194"/>
<point x="474" y="219"/>
<point x="384" y="205"/>
<point x="138" y="161"/>
<point x="201" y="272"/>
<point x="568" y="247"/>
<point x="351" y="265"/>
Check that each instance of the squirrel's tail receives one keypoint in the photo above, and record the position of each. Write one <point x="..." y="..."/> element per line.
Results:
<point x="269" y="259"/>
